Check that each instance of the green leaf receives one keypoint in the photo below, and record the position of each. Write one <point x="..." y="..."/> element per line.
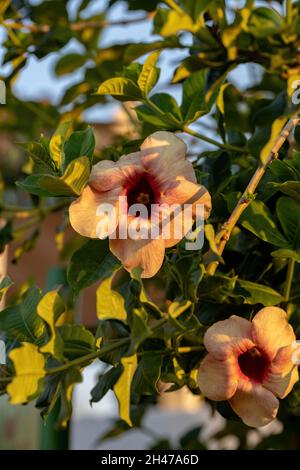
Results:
<point x="169" y="119"/>
<point x="253" y="293"/>
<point x="110" y="304"/>
<point x="80" y="144"/>
<point x="20" y="321"/>
<point x="69" y="63"/>
<point x="139" y="327"/>
<point x="50" y="308"/>
<point x="169" y="22"/>
<point x="5" y="284"/>
<point x="216" y="289"/>
<point x="71" y="183"/>
<point x="105" y="383"/>
<point x="29" y="369"/>
<point x="4" y="6"/>
<point x="77" y="341"/>
<point x="286" y="254"/>
<point x="149" y="75"/>
<point x="258" y="219"/>
<point x="91" y="263"/>
<point x="288" y="212"/>
<point x="68" y="382"/>
<point x="148" y="374"/>
<point x="121" y="88"/>
<point x="265" y="22"/>
<point x="194" y="103"/>
<point x="41" y="158"/>
<point x="122" y="388"/>
<point x="290" y="188"/>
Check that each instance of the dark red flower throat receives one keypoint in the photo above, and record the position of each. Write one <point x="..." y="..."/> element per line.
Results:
<point x="254" y="364"/>
<point x="142" y="189"/>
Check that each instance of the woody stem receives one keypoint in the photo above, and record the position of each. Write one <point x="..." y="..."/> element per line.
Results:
<point x="223" y="235"/>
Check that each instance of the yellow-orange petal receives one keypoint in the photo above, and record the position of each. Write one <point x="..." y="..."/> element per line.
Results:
<point x="271" y="330"/>
<point x="83" y="212"/>
<point x="164" y="155"/>
<point x="229" y="337"/>
<point x="145" y="254"/>
<point x="255" y="405"/>
<point x="218" y="379"/>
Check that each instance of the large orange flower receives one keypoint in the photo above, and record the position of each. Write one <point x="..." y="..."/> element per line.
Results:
<point x="158" y="175"/>
<point x="250" y="364"/>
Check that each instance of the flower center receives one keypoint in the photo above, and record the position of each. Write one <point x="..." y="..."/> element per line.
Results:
<point x="142" y="190"/>
<point x="254" y="364"/>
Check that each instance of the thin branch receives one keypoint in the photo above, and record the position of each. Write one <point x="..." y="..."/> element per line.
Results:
<point x="80" y="361"/>
<point x="223" y="236"/>
<point x="80" y="26"/>
<point x="289" y="280"/>
<point x="229" y="147"/>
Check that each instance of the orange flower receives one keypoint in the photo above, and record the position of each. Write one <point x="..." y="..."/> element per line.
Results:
<point x="250" y="364"/>
<point x="158" y="175"/>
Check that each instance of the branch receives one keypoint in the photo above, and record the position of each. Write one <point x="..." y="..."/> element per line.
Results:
<point x="229" y="147"/>
<point x="80" y="26"/>
<point x="223" y="236"/>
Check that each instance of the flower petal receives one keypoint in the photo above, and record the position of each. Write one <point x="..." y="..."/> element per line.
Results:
<point x="146" y="254"/>
<point x="271" y="330"/>
<point x="255" y="405"/>
<point x="217" y="379"/>
<point x="229" y="337"/>
<point x="283" y="372"/>
<point x="281" y="385"/>
<point x="163" y="154"/>
<point x="179" y="221"/>
<point x="106" y="175"/>
<point x="83" y="212"/>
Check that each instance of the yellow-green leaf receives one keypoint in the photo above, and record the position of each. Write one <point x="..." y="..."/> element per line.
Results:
<point x="4" y="6"/>
<point x="110" y="304"/>
<point x="275" y="131"/>
<point x="71" y="183"/>
<point x="29" y="365"/>
<point x="149" y="74"/>
<point x="121" y="88"/>
<point x="220" y="98"/>
<point x="5" y="284"/>
<point x="57" y="143"/>
<point x="50" y="308"/>
<point x="122" y="387"/>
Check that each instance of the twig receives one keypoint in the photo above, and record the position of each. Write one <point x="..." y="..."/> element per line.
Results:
<point x="232" y="148"/>
<point x="289" y="280"/>
<point x="80" y="26"/>
<point x="224" y="234"/>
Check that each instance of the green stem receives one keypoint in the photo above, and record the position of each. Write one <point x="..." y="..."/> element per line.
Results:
<point x="289" y="11"/>
<point x="174" y="6"/>
<point x="36" y="109"/>
<point x="102" y="352"/>
<point x="229" y="147"/>
<point x="88" y="357"/>
<point x="190" y="131"/>
<point x="289" y="280"/>
<point x="37" y="214"/>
